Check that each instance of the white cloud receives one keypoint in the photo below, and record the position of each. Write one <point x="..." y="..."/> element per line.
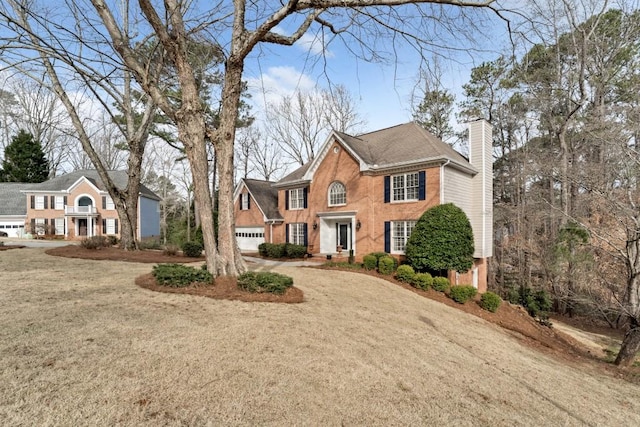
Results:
<point x="278" y="82"/>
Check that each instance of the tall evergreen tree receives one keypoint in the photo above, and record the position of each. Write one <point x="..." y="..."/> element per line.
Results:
<point x="24" y="160"/>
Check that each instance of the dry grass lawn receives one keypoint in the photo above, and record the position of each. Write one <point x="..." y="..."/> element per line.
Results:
<point x="80" y="344"/>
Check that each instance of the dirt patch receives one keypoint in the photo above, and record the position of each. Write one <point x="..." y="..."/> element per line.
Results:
<point x="224" y="288"/>
<point x="117" y="254"/>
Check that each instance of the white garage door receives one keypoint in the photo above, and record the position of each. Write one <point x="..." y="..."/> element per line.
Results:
<point x="249" y="238"/>
<point x="12" y="228"/>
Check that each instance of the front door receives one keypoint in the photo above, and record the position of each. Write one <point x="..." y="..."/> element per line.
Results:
<point x="82" y="226"/>
<point x="343" y="235"/>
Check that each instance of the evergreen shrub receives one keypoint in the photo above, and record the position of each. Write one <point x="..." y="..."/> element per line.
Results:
<point x="386" y="265"/>
<point x="179" y="276"/>
<point x="441" y="284"/>
<point x="422" y="281"/>
<point x="264" y="281"/>
<point x="405" y="273"/>
<point x="462" y="293"/>
<point x="192" y="249"/>
<point x="370" y="262"/>
<point x="490" y="301"/>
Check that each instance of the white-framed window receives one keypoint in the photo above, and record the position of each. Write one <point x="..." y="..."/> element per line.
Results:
<point x="110" y="225"/>
<point x="40" y="227"/>
<point x="296" y="198"/>
<point x="109" y="204"/>
<point x="400" y="232"/>
<point x="244" y="201"/>
<point x="296" y="233"/>
<point x="405" y="187"/>
<point x="59" y="225"/>
<point x="39" y="204"/>
<point x="337" y="194"/>
<point x="59" y="203"/>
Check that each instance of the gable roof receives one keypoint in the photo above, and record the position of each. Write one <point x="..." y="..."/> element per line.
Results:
<point x="265" y="195"/>
<point x="12" y="201"/>
<point x="64" y="182"/>
<point x="397" y="146"/>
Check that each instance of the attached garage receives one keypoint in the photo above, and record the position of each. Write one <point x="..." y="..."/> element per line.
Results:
<point x="13" y="228"/>
<point x="249" y="238"/>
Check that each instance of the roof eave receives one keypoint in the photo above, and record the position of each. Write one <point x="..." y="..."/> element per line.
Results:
<point x="376" y="169"/>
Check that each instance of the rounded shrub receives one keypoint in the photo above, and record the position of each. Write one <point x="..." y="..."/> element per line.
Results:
<point x="192" y="249"/>
<point x="490" y="301"/>
<point x="294" y="251"/>
<point x="264" y="281"/>
<point x="462" y="293"/>
<point x="370" y="262"/>
<point x="386" y="265"/>
<point x="441" y="284"/>
<point x="179" y="276"/>
<point x="275" y="250"/>
<point x="422" y="281"/>
<point x="262" y="249"/>
<point x="441" y="240"/>
<point x="405" y="273"/>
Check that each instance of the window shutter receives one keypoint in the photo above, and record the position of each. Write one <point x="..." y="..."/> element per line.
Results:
<point x="115" y="223"/>
<point x="46" y="222"/>
<point x="286" y="231"/>
<point x="387" y="189"/>
<point x="422" y="187"/>
<point x="33" y="225"/>
<point x="64" y="201"/>
<point x="104" y="226"/>
<point x="53" y="202"/>
<point x="286" y="200"/>
<point x="33" y="202"/>
<point x="104" y="202"/>
<point x="304" y="197"/>
<point x="248" y="201"/>
<point x="387" y="237"/>
<point x="46" y="199"/>
<point x="306" y="240"/>
<point x="52" y="225"/>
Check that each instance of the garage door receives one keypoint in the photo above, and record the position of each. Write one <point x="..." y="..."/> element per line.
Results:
<point x="12" y="228"/>
<point x="249" y="238"/>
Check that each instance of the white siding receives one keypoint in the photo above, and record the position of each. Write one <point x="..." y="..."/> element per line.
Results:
<point x="481" y="216"/>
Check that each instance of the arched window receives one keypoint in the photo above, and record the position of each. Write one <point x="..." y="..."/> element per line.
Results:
<point x="337" y="194"/>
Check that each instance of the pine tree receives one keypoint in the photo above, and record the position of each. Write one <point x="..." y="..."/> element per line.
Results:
<point x="24" y="160"/>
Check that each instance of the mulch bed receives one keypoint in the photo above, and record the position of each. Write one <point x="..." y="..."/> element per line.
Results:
<point x="7" y="247"/>
<point x="117" y="254"/>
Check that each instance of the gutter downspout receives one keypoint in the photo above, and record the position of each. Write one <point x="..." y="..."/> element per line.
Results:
<point x="442" y="180"/>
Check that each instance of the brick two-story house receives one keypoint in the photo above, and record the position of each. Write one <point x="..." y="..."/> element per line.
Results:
<point x="73" y="206"/>
<point x="365" y="193"/>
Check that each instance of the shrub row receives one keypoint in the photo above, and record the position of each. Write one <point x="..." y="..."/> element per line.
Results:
<point x="281" y="250"/>
<point x="179" y="276"/>
<point x="264" y="282"/>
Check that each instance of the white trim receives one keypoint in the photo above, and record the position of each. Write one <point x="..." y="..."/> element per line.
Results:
<point x="83" y="178"/>
<point x="331" y="187"/>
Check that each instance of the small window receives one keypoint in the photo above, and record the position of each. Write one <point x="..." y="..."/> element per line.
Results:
<point x="405" y="187"/>
<point x="244" y="198"/>
<point x="296" y="198"/>
<point x="337" y="194"/>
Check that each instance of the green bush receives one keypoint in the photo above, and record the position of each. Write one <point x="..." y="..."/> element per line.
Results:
<point x="441" y="284"/>
<point x="294" y="251"/>
<point x="262" y="249"/>
<point x="378" y="255"/>
<point x="422" y="281"/>
<point x="462" y="293"/>
<point x="386" y="265"/>
<point x="179" y="276"/>
<point x="441" y="240"/>
<point x="275" y="250"/>
<point x="192" y="249"/>
<point x="264" y="282"/>
<point x="342" y="264"/>
<point x="370" y="262"/>
<point x="405" y="273"/>
<point x="95" y="242"/>
<point x="113" y="240"/>
<point x="149" y="244"/>
<point x="490" y="301"/>
<point x="537" y="303"/>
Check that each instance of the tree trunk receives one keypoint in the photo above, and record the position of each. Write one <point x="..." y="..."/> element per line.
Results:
<point x="231" y="262"/>
<point x="630" y="345"/>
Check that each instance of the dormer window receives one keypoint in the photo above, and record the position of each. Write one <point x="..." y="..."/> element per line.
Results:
<point x="244" y="201"/>
<point x="337" y="194"/>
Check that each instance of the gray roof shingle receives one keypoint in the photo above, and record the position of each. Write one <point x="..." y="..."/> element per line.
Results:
<point x="265" y="195"/>
<point x="12" y="201"/>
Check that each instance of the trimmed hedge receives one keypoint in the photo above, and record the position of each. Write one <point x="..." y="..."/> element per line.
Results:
<point x="386" y="265"/>
<point x="441" y="284"/>
<point x="264" y="282"/>
<point x="370" y="262"/>
<point x="294" y="251"/>
<point x="179" y="276"/>
<point x="405" y="273"/>
<point x="462" y="293"/>
<point x="490" y="301"/>
<point x="192" y="249"/>
<point x="262" y="249"/>
<point x="422" y="281"/>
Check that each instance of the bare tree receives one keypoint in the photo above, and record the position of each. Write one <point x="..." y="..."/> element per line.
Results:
<point x="267" y="160"/>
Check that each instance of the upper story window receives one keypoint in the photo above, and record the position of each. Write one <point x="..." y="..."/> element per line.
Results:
<point x="59" y="202"/>
<point x="296" y="198"/>
<point x="337" y="194"/>
<point x="244" y="201"/>
<point x="40" y="202"/>
<point x="109" y="203"/>
<point x="405" y="187"/>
